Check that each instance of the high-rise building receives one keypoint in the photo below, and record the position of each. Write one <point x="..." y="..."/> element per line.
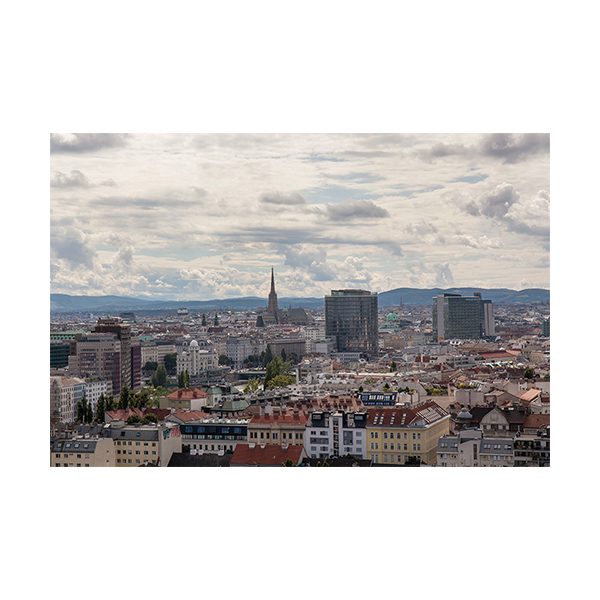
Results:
<point x="462" y="317"/>
<point x="351" y="317"/>
<point x="130" y="351"/>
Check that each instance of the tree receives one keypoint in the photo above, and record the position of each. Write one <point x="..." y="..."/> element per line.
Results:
<point x="268" y="357"/>
<point x="283" y="355"/>
<point x="288" y="463"/>
<point x="386" y="386"/>
<point x="84" y="411"/>
<point x="280" y="381"/>
<point x="131" y="419"/>
<point x="100" y="409"/>
<point x="124" y="397"/>
<point x="149" y="418"/>
<point x="159" y="377"/>
<point x="252" y="386"/>
<point x="110" y="403"/>
<point x="151" y="366"/>
<point x="171" y="363"/>
<point x="393" y="367"/>
<point x="529" y="374"/>
<point x="413" y="460"/>
<point x="225" y="360"/>
<point x="203" y="320"/>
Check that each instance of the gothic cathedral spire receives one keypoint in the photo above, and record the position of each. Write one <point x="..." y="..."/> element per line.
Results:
<point x="272" y="308"/>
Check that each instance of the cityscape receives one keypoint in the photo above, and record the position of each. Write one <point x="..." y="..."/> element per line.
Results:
<point x="393" y="327"/>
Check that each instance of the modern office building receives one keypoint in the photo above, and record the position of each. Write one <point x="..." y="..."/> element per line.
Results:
<point x="462" y="317"/>
<point x="99" y="355"/>
<point x="351" y="318"/>
<point x="123" y="332"/>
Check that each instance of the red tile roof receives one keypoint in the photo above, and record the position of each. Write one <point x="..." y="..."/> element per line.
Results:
<point x="190" y="415"/>
<point x="271" y="454"/>
<point x="124" y="413"/>
<point x="187" y="394"/>
<point x="286" y="419"/>
<point x="536" y="421"/>
<point x="430" y="412"/>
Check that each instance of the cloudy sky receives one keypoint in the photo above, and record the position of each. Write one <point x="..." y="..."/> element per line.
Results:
<point x="201" y="216"/>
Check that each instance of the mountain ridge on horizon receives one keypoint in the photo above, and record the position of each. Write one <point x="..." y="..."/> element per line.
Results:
<point x="404" y="295"/>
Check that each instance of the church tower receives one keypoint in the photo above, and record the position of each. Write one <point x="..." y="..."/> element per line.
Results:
<point x="272" y="308"/>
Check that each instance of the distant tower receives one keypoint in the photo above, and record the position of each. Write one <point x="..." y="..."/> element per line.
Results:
<point x="272" y="309"/>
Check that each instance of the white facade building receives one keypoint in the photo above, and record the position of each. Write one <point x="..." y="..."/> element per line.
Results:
<point x="339" y="433"/>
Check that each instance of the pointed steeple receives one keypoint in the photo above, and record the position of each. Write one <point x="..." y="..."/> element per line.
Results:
<point x="272" y="308"/>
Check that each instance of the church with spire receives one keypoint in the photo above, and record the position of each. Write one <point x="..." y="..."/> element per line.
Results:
<point x="281" y="316"/>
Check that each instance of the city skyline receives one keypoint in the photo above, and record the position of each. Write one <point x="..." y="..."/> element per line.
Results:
<point x="202" y="216"/>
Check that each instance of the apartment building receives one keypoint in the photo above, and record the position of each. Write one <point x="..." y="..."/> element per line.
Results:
<point x="277" y="429"/>
<point x="82" y="451"/>
<point x="336" y="433"/>
<point x="65" y="393"/>
<point x="395" y="435"/>
<point x="139" y="444"/>
<point x="471" y="448"/>
<point x="214" y="434"/>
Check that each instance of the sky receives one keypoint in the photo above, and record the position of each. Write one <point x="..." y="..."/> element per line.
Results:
<point x="205" y="216"/>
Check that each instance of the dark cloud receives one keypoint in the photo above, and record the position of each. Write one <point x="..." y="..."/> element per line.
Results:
<point x="86" y="142"/>
<point x="504" y="206"/>
<point x="441" y="150"/>
<point x="281" y="199"/>
<point x="515" y="148"/>
<point x="510" y="147"/>
<point x="355" y="209"/>
<point x="75" y="179"/>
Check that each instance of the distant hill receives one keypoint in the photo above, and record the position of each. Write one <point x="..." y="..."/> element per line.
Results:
<point x="417" y="296"/>
<point x="115" y="304"/>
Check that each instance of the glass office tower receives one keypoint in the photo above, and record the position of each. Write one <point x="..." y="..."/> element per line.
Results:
<point x="351" y="318"/>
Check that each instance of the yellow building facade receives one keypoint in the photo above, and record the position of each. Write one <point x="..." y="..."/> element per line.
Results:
<point x="396" y="434"/>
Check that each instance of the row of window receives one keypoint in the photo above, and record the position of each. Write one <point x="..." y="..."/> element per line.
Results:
<point x="137" y="452"/>
<point x="399" y="435"/>
<point x="124" y="443"/>
<point x="375" y="446"/>
<point x="267" y="435"/>
<point x="387" y="458"/>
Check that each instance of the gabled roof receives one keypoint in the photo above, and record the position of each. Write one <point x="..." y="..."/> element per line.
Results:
<point x="271" y="454"/>
<point x="122" y="414"/>
<point x="287" y="419"/>
<point x="430" y="412"/>
<point x="536" y="421"/>
<point x="530" y="395"/>
<point x="187" y="394"/>
<point x="186" y="416"/>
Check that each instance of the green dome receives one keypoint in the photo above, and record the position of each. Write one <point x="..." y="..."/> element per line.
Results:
<point x="392" y="317"/>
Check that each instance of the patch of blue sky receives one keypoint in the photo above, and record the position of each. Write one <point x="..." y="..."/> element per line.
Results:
<point x="314" y="157"/>
<point x="470" y="178"/>
<point x="360" y="177"/>
<point x="332" y="193"/>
